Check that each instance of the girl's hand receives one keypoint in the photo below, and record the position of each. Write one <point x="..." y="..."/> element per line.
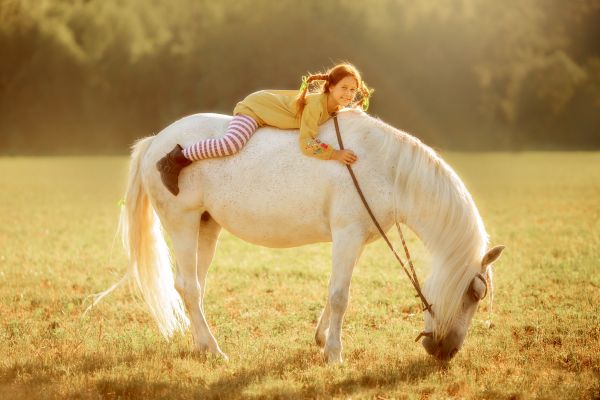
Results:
<point x="344" y="156"/>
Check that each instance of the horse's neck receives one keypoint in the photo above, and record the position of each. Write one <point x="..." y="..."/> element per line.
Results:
<point x="435" y="204"/>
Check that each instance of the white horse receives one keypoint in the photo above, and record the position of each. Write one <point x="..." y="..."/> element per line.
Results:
<point x="272" y="195"/>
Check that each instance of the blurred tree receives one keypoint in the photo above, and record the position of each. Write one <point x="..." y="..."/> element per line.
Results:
<point x="93" y="75"/>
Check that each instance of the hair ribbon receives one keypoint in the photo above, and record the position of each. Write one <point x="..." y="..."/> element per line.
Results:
<point x="365" y="102"/>
<point x="304" y="84"/>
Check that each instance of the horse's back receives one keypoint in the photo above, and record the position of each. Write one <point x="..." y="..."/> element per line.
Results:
<point x="269" y="193"/>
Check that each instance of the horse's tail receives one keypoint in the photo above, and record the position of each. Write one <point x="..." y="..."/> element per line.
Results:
<point x="149" y="260"/>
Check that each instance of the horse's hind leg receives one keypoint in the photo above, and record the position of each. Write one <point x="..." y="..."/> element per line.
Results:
<point x="184" y="230"/>
<point x="323" y="325"/>
<point x="348" y="245"/>
<point x="207" y="243"/>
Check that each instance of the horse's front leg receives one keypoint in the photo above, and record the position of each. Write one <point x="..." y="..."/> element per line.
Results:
<point x="348" y="245"/>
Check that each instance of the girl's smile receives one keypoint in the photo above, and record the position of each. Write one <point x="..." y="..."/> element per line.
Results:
<point x="341" y="94"/>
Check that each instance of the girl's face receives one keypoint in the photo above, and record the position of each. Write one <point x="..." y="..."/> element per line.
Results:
<point x="344" y="91"/>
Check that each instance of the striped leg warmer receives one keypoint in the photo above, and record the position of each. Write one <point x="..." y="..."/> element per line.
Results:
<point x="239" y="131"/>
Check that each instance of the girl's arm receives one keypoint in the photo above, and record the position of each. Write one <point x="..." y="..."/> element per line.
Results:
<point x="309" y="144"/>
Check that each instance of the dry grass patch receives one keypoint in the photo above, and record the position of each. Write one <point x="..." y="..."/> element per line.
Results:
<point x="59" y="219"/>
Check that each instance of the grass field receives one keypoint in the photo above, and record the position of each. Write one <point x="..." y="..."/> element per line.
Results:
<point x="58" y="218"/>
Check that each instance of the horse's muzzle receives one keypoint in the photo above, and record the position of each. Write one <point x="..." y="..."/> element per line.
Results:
<point x="443" y="349"/>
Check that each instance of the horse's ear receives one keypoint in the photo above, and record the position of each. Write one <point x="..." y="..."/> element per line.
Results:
<point x="492" y="255"/>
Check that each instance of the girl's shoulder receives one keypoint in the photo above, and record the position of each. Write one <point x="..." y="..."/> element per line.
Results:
<point x="315" y="99"/>
<point x="316" y="95"/>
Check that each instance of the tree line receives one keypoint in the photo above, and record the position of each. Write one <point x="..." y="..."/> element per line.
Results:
<point x="92" y="76"/>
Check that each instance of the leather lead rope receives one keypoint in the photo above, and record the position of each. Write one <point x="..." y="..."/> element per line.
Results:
<point x="412" y="277"/>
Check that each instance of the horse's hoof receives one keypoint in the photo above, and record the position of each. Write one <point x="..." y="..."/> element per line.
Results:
<point x="205" y="349"/>
<point x="201" y="349"/>
<point x="334" y="360"/>
<point x="333" y="357"/>
<point x="219" y="355"/>
<point x="222" y="356"/>
<point x="320" y="340"/>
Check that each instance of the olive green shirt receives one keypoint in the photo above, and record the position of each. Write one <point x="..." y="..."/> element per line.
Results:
<point x="278" y="108"/>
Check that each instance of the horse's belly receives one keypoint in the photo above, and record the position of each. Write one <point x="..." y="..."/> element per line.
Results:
<point x="269" y="237"/>
<point x="269" y="209"/>
<point x="271" y="229"/>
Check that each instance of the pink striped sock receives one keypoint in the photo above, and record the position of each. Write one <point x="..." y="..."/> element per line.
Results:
<point x="239" y="131"/>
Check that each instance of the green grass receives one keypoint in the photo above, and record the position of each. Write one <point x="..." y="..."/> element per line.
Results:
<point x="58" y="218"/>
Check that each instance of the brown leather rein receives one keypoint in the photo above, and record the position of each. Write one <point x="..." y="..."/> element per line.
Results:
<point x="412" y="276"/>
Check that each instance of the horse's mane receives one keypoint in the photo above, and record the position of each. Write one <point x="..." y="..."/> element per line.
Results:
<point x="437" y="206"/>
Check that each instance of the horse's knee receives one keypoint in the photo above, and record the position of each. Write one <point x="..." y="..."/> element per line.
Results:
<point x="338" y="300"/>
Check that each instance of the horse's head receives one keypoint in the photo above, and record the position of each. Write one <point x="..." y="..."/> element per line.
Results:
<point x="444" y="345"/>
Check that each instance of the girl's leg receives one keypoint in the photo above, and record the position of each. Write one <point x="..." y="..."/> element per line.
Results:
<point x="240" y="129"/>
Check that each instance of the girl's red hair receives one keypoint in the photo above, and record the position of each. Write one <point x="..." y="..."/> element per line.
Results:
<point x="331" y="78"/>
